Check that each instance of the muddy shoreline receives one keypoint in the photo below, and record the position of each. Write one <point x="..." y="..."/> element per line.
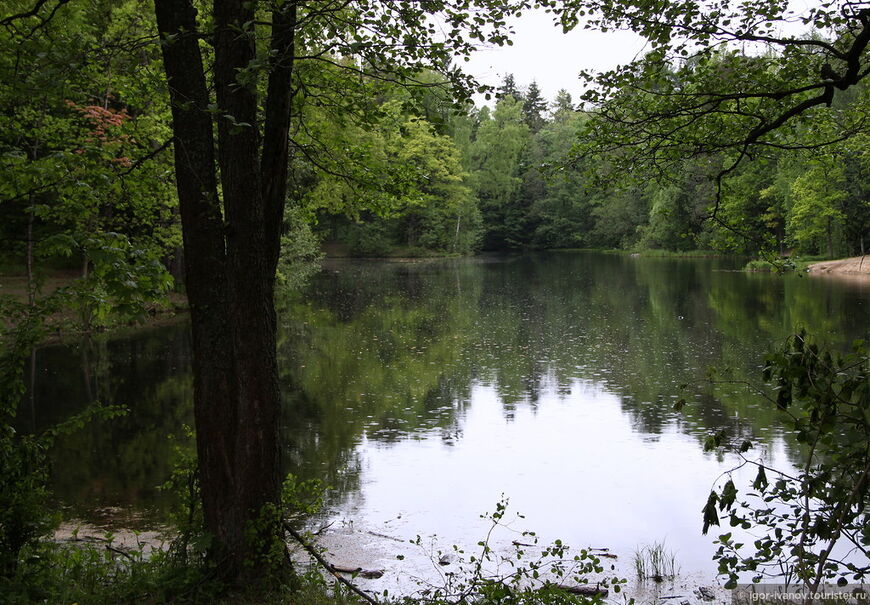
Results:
<point x="408" y="569"/>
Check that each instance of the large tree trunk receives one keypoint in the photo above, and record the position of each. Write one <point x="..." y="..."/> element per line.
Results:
<point x="230" y="266"/>
<point x="251" y="304"/>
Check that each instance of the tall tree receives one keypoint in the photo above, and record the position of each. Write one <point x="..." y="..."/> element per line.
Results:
<point x="534" y="107"/>
<point x="496" y="157"/>
<point x="508" y="88"/>
<point x="231" y="239"/>
<point x="563" y="213"/>
<point x="563" y="102"/>
<point x="817" y="197"/>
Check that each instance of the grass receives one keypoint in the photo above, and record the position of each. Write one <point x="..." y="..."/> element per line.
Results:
<point x="796" y="264"/>
<point x="679" y="253"/>
<point x="651" y="252"/>
<point x="92" y="574"/>
<point x="655" y="562"/>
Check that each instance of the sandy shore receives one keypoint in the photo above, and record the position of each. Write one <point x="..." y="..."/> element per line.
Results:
<point x="857" y="266"/>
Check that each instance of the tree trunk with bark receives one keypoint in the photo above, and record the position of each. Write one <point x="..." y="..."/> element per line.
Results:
<point x="231" y="253"/>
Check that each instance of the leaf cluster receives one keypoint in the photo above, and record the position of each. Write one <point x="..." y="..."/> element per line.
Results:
<point x="719" y="77"/>
<point x="528" y="574"/>
<point x="813" y="524"/>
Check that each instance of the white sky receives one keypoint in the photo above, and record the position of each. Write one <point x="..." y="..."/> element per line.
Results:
<point x="541" y="52"/>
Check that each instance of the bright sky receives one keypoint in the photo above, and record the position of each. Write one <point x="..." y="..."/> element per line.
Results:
<point x="541" y="52"/>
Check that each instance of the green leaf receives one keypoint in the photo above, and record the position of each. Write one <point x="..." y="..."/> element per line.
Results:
<point x="729" y="495"/>
<point x="760" y="482"/>
<point x="711" y="517"/>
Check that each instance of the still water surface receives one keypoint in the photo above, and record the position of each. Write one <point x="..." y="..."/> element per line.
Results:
<point x="422" y="392"/>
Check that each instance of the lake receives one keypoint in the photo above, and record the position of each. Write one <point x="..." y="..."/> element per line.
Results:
<point x="421" y="392"/>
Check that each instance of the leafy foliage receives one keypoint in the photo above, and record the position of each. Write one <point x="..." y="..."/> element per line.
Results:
<point x="519" y="577"/>
<point x="693" y="83"/>
<point x="400" y="181"/>
<point x="813" y="525"/>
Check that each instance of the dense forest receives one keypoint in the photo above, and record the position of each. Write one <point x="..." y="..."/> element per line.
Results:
<point x="380" y="168"/>
<point x="528" y="189"/>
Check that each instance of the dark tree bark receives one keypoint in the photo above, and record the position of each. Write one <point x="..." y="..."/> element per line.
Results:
<point x="230" y="261"/>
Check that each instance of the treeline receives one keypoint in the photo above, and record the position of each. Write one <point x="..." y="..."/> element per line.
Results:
<point x="377" y="168"/>
<point x="509" y="187"/>
<point x="523" y="186"/>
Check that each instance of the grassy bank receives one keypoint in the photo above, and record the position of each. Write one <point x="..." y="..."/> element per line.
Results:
<point x="796" y="264"/>
<point x="87" y="574"/>
<point x="652" y="253"/>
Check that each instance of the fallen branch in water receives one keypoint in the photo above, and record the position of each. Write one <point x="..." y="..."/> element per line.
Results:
<point x="120" y="552"/>
<point x="588" y="590"/>
<point x="322" y="529"/>
<point x="326" y="564"/>
<point x="374" y="533"/>
<point x="363" y="573"/>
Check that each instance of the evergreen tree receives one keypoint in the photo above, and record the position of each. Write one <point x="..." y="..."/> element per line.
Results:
<point x="563" y="103"/>
<point x="562" y="214"/>
<point x="508" y="88"/>
<point x="534" y="107"/>
<point x="496" y="156"/>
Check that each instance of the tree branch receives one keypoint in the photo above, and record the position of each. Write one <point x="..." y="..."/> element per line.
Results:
<point x="326" y="564"/>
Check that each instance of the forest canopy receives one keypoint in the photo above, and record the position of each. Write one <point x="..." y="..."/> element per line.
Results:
<point x="720" y="90"/>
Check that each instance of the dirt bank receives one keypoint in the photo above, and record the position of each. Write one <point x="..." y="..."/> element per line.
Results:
<point x="857" y="266"/>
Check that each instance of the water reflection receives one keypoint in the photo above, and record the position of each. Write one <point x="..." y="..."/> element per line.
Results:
<point x="118" y="462"/>
<point x="576" y="469"/>
<point x="425" y="390"/>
